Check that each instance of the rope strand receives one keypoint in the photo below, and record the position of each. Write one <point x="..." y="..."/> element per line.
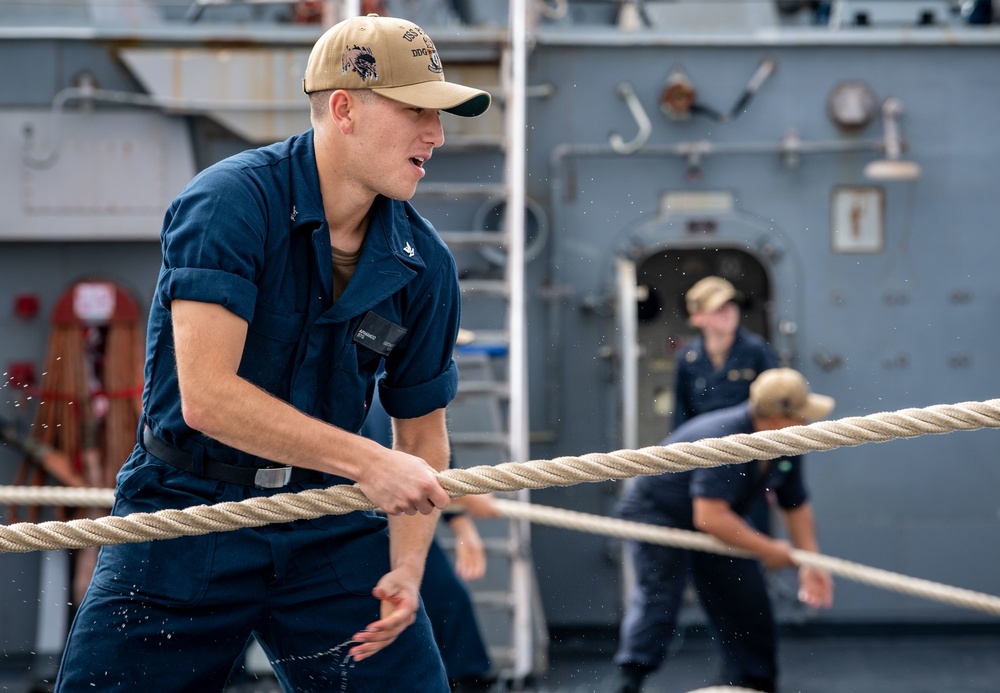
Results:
<point x="698" y="541"/>
<point x="509" y="476"/>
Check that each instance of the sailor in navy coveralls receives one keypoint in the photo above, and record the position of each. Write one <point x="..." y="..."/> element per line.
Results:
<point x="715" y="370"/>
<point x="289" y="274"/>
<point x="731" y="590"/>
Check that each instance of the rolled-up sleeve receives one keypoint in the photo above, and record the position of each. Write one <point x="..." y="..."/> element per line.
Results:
<point x="792" y="492"/>
<point x="233" y="292"/>
<point x="418" y="400"/>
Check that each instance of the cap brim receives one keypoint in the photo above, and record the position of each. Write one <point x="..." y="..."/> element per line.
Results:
<point x="817" y="407"/>
<point x="440" y="96"/>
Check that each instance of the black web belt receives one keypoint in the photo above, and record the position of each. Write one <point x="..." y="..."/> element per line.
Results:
<point x="261" y="477"/>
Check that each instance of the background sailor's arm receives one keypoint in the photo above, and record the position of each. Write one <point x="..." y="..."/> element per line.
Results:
<point x="715" y="516"/>
<point x="815" y="586"/>
<point x="470" y="553"/>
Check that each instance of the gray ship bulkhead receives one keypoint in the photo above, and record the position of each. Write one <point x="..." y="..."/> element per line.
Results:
<point x="883" y="292"/>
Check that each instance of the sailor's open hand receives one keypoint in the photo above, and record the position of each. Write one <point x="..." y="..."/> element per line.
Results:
<point x="399" y="593"/>
<point x="815" y="588"/>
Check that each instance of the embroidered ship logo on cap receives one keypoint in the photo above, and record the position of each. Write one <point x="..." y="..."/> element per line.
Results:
<point x="432" y="53"/>
<point x="359" y="59"/>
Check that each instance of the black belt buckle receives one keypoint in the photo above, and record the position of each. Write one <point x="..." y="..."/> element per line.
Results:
<point x="272" y="477"/>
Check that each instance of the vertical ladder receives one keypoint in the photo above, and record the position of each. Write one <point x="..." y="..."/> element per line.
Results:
<point x="489" y="418"/>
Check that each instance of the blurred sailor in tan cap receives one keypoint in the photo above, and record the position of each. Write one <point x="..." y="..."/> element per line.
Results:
<point x="716" y="368"/>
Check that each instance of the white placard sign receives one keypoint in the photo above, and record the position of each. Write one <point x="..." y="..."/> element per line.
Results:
<point x="94" y="301"/>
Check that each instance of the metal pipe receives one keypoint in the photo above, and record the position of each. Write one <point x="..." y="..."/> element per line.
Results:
<point x="628" y="358"/>
<point x="699" y="149"/>
<point x="88" y="93"/>
<point x="515" y="211"/>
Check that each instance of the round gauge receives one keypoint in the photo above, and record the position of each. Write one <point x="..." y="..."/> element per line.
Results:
<point x="851" y="105"/>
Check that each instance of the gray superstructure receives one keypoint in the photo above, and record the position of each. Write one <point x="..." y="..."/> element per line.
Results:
<point x="883" y="291"/>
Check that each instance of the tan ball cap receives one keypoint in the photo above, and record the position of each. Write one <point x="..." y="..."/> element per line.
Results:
<point x="785" y="392"/>
<point x="709" y="294"/>
<point x="392" y="57"/>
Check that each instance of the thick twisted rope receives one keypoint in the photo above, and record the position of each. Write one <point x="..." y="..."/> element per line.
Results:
<point x="697" y="541"/>
<point x="65" y="496"/>
<point x="611" y="527"/>
<point x="509" y="476"/>
<point x="713" y="452"/>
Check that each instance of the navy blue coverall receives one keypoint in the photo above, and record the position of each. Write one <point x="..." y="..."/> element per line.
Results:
<point x="701" y="387"/>
<point x="732" y="591"/>
<point x="250" y="234"/>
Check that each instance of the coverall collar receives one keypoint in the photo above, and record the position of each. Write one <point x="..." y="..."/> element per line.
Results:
<point x="390" y="255"/>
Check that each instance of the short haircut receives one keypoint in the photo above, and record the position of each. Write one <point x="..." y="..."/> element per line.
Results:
<point x="318" y="100"/>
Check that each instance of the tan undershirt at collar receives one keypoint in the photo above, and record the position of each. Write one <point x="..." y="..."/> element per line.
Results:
<point x="344" y="265"/>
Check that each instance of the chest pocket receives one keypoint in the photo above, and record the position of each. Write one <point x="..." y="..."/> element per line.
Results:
<point x="270" y="349"/>
<point x="347" y="382"/>
<point x="356" y="359"/>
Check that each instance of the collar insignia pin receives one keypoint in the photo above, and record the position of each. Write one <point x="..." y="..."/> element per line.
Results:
<point x="295" y="212"/>
<point x="408" y="249"/>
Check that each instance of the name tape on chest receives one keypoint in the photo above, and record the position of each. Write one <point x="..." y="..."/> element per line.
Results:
<point x="378" y="334"/>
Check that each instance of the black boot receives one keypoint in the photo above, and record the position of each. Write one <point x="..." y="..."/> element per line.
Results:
<point x="754" y="684"/>
<point x="747" y="682"/>
<point x="627" y="678"/>
<point x="472" y="684"/>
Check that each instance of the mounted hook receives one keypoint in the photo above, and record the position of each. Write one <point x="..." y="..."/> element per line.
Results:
<point x="627" y="92"/>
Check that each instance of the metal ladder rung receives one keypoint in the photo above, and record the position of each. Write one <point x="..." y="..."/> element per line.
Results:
<point x="469" y="143"/>
<point x="496" y="545"/>
<point x="474" y="239"/>
<point x="480" y="440"/>
<point x="471" y="388"/>
<point x="489" y="337"/>
<point x="495" y="599"/>
<point x="502" y="657"/>
<point x="484" y="287"/>
<point x="463" y="189"/>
